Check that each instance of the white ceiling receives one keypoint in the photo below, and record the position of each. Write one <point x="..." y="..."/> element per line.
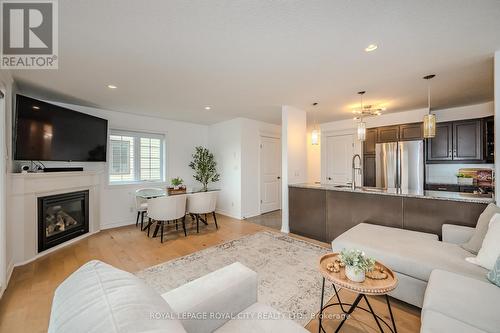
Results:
<point x="247" y="58"/>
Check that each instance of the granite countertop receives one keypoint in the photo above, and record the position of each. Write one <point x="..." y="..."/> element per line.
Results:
<point x="433" y="195"/>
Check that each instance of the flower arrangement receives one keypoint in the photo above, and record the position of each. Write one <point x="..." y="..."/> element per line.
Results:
<point x="356" y="263"/>
<point x="177" y="181"/>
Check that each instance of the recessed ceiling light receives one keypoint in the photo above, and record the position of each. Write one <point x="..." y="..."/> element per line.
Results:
<point x="36" y="107"/>
<point x="112" y="86"/>
<point x="371" y="47"/>
<point x="208" y="108"/>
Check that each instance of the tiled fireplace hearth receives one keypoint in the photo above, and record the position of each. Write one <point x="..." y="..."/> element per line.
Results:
<point x="62" y="217"/>
<point x="49" y="210"/>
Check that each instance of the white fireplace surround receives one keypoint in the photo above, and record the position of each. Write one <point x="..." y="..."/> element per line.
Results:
<point x="22" y="213"/>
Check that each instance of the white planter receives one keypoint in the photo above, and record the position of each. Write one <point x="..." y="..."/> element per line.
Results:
<point x="354" y="275"/>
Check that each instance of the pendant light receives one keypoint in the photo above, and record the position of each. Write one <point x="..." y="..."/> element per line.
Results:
<point x="315" y="132"/>
<point x="429" y="118"/>
<point x="361" y="123"/>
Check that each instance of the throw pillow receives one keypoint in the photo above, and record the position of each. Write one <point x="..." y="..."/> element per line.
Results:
<point x="490" y="249"/>
<point x="474" y="244"/>
<point x="494" y="274"/>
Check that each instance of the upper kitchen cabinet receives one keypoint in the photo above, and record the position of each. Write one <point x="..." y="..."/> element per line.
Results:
<point x="388" y="134"/>
<point x="408" y="132"/>
<point x="440" y="148"/>
<point x="457" y="141"/>
<point x="370" y="141"/>
<point x="489" y="139"/>
<point x="467" y="140"/>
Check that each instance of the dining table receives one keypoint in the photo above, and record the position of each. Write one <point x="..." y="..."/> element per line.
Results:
<point x="153" y="193"/>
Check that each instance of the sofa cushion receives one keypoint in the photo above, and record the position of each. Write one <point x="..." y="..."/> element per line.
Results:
<point x="490" y="249"/>
<point x="474" y="243"/>
<point x="461" y="298"/>
<point x="100" y="298"/>
<point x="408" y="252"/>
<point x="435" y="322"/>
<point x="261" y="318"/>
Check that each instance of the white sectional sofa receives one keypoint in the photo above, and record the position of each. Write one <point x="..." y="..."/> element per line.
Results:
<point x="101" y="298"/>
<point x="454" y="295"/>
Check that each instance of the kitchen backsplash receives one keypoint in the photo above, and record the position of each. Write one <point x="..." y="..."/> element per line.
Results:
<point x="447" y="173"/>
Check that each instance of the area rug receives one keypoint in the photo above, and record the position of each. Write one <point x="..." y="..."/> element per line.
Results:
<point x="287" y="269"/>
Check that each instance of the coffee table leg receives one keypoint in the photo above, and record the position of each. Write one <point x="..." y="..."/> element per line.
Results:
<point x="338" y="299"/>
<point x="390" y="312"/>
<point x="351" y="309"/>
<point x="373" y="314"/>
<point x="321" y="306"/>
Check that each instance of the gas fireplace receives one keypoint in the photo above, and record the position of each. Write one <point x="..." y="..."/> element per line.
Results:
<point x="62" y="217"/>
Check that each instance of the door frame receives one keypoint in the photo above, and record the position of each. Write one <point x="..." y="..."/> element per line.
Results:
<point x="357" y="149"/>
<point x="263" y="134"/>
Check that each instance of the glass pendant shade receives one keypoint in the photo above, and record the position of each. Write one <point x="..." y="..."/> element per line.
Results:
<point x="315" y="137"/>
<point x="429" y="126"/>
<point x="361" y="131"/>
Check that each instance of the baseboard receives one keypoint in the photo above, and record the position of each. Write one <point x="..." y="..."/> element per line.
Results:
<point x="247" y="216"/>
<point x="225" y="213"/>
<point x="117" y="224"/>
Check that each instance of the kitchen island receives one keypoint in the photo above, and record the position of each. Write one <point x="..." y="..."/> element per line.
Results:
<point x="323" y="212"/>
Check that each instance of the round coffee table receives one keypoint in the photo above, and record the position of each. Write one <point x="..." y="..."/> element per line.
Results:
<point x="367" y="287"/>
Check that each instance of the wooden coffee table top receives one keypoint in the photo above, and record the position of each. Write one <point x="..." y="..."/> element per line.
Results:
<point x="368" y="287"/>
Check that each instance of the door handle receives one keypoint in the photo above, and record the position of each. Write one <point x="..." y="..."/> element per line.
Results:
<point x="329" y="178"/>
<point x="278" y="177"/>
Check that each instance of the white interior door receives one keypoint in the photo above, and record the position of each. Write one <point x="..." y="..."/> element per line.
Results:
<point x="339" y="152"/>
<point x="270" y="174"/>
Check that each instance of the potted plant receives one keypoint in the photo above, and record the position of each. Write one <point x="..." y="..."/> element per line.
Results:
<point x="176" y="186"/>
<point x="356" y="264"/>
<point x="204" y="166"/>
<point x="176" y="182"/>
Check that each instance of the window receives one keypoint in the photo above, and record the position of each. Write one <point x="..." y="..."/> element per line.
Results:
<point x="135" y="157"/>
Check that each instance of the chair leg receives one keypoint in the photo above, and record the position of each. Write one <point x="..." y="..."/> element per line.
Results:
<point x="197" y="224"/>
<point x="184" y="225"/>
<point x="161" y="236"/>
<point x="142" y="219"/>
<point x="137" y="220"/>
<point x="215" y="220"/>
<point x="176" y="225"/>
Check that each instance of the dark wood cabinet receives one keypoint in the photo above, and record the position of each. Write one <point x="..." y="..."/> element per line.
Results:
<point x="440" y="148"/>
<point x="307" y="212"/>
<point x="408" y="132"/>
<point x="388" y="134"/>
<point x="370" y="141"/>
<point x="467" y="140"/>
<point x="457" y="141"/>
<point x="369" y="170"/>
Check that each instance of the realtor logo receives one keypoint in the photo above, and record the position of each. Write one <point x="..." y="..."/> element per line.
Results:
<point x="29" y="34"/>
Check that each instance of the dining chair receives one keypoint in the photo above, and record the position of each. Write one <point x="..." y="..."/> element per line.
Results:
<point x="202" y="203"/>
<point x="141" y="203"/>
<point x="167" y="208"/>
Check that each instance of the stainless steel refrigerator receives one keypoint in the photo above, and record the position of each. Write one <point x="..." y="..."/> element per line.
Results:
<point x="400" y="165"/>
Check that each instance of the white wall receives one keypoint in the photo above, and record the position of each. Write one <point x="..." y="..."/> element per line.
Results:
<point x="225" y="142"/>
<point x="294" y="154"/>
<point x="251" y="131"/>
<point x="497" y="116"/>
<point x="236" y="145"/>
<point x="458" y="113"/>
<point x="5" y="253"/>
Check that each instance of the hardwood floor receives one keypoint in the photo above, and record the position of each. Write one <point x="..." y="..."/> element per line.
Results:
<point x="25" y="305"/>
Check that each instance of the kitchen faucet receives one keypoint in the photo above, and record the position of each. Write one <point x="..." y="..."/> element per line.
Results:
<point x="354" y="168"/>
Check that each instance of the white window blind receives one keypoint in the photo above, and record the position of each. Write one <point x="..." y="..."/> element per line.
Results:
<point x="135" y="157"/>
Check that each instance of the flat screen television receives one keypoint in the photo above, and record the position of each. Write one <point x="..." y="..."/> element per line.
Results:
<point x="47" y="132"/>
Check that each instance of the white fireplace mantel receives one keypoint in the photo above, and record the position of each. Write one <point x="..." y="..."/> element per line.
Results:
<point x="22" y="209"/>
